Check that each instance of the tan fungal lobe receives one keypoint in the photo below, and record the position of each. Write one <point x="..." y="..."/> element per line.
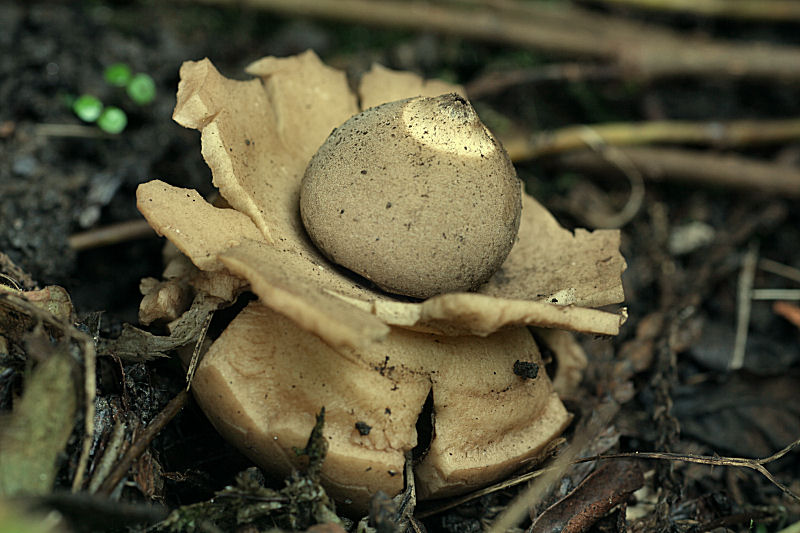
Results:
<point x="415" y="195"/>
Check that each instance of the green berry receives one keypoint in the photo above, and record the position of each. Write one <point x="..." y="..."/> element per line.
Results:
<point x="87" y="107"/>
<point x="142" y="89"/>
<point x="118" y="74"/>
<point x="113" y="120"/>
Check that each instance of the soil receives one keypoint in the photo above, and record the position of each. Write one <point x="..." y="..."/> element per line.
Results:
<point x="668" y="368"/>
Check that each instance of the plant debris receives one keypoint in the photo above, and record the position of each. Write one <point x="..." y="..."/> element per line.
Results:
<point x="301" y="503"/>
<point x="700" y="165"/>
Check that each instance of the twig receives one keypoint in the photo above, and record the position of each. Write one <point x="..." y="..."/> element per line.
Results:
<point x="495" y="82"/>
<point x="198" y="346"/>
<point x="137" y="448"/>
<point x="769" y="10"/>
<point x="739" y="462"/>
<point x="744" y="296"/>
<point x="641" y="51"/>
<point x="455" y="502"/>
<point x="731" y="134"/>
<point x="780" y="269"/>
<point x="696" y="167"/>
<point x="89" y="393"/>
<point x="788" y="311"/>
<point x="111" y="234"/>
<point x="69" y="130"/>
<point x="775" y="294"/>
<point x="110" y="454"/>
<point x="629" y="170"/>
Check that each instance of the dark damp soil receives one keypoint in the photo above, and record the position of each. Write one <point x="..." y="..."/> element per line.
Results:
<point x="668" y="368"/>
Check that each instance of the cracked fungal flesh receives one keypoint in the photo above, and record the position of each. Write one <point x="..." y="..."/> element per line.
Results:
<point x="415" y="195"/>
<point x="262" y="382"/>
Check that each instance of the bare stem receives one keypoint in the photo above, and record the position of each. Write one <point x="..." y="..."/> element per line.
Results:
<point x="641" y="51"/>
<point x="768" y="10"/>
<point x="731" y="134"/>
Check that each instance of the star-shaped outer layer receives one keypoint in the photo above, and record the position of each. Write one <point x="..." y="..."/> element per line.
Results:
<point x="319" y="336"/>
<point x="257" y="137"/>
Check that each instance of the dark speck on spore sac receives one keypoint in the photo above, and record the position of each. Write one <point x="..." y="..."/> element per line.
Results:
<point x="526" y="369"/>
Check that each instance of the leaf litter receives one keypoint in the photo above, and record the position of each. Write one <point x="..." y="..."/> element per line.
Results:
<point x="647" y="356"/>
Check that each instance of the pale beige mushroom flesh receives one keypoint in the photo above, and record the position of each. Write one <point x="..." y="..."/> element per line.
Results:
<point x="320" y="336"/>
<point x="262" y="382"/>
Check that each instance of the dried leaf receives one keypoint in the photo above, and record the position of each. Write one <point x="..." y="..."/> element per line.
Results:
<point x="745" y="417"/>
<point x="34" y="435"/>
<point x="135" y="344"/>
<point x="611" y="484"/>
<point x="21" y="310"/>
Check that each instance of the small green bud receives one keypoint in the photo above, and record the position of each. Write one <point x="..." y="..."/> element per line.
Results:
<point x="87" y="107"/>
<point x="118" y="74"/>
<point x="113" y="120"/>
<point x="142" y="89"/>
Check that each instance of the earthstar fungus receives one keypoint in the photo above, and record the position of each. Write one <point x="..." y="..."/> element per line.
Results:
<point x="319" y="336"/>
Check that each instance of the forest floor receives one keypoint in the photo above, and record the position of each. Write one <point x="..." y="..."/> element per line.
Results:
<point x="714" y="223"/>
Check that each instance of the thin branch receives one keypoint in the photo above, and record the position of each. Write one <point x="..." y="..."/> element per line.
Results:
<point x="629" y="170"/>
<point x="641" y="51"/>
<point x="731" y="134"/>
<point x="137" y="448"/>
<point x="198" y="347"/>
<point x="738" y="462"/>
<point x="498" y="81"/>
<point x="780" y="269"/>
<point x="110" y="453"/>
<point x="744" y="304"/>
<point x="89" y="394"/>
<point x="788" y="311"/>
<point x="767" y="10"/>
<point x="111" y="234"/>
<point x="696" y="167"/>
<point x="775" y="294"/>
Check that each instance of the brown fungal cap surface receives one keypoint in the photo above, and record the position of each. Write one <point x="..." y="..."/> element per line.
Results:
<point x="415" y="195"/>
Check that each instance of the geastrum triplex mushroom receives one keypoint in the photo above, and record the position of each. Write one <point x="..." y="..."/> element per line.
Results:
<point x="447" y="263"/>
